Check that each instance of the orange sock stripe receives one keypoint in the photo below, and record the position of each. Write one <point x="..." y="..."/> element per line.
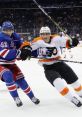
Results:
<point x="64" y="91"/>
<point x="78" y="89"/>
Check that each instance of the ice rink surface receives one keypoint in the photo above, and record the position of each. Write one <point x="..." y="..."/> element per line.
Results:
<point x="52" y="103"/>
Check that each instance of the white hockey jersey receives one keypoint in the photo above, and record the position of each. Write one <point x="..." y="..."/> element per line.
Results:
<point x="55" y="41"/>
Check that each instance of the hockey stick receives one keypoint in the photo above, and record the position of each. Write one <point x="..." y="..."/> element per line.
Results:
<point x="50" y="18"/>
<point x="53" y="21"/>
<point x="70" y="61"/>
<point x="62" y="60"/>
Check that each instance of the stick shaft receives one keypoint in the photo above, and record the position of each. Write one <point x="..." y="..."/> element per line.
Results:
<point x="55" y="23"/>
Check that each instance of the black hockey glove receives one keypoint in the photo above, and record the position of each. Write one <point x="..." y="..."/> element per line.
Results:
<point x="75" y="42"/>
<point x="25" y="52"/>
<point x="50" y="51"/>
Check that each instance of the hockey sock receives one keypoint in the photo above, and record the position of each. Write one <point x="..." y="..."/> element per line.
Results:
<point x="25" y="87"/>
<point x="77" y="87"/>
<point x="63" y="89"/>
<point x="8" y="78"/>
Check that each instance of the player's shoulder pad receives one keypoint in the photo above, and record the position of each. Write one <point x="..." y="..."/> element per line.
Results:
<point x="3" y="36"/>
<point x="54" y="36"/>
<point x="16" y="35"/>
<point x="25" y="43"/>
<point x="36" y="39"/>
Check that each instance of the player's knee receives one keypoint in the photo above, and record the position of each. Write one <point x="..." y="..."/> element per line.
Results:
<point x="59" y="81"/>
<point x="52" y="75"/>
<point x="61" y="86"/>
<point x="8" y="76"/>
<point x="22" y="83"/>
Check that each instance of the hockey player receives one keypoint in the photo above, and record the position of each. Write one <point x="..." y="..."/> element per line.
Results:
<point x="59" y="74"/>
<point x="10" y="73"/>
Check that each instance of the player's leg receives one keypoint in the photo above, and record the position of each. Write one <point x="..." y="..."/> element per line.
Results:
<point x="77" y="86"/>
<point x="7" y="77"/>
<point x="71" y="78"/>
<point x="55" y="79"/>
<point x="27" y="90"/>
<point x="22" y="83"/>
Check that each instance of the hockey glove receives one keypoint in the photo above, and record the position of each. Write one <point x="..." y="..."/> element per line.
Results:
<point x="25" y="52"/>
<point x="75" y="42"/>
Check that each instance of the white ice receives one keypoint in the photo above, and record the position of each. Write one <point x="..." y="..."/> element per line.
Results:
<point x="52" y="103"/>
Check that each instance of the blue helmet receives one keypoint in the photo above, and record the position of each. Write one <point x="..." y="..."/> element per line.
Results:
<point x="7" y="25"/>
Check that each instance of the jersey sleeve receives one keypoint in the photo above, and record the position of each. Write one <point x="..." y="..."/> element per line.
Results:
<point x="61" y="41"/>
<point x="17" y="40"/>
<point x="8" y="54"/>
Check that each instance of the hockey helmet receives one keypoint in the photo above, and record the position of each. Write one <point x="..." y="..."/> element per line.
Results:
<point x="7" y="25"/>
<point x="44" y="30"/>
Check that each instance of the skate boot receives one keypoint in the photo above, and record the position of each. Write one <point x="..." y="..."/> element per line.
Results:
<point x="35" y="100"/>
<point x="80" y="96"/>
<point x="18" y="101"/>
<point x="76" y="101"/>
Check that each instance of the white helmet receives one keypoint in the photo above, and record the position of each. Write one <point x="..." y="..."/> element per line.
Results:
<point x="45" y="30"/>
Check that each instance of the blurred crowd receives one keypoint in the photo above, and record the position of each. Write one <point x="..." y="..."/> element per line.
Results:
<point x="29" y="21"/>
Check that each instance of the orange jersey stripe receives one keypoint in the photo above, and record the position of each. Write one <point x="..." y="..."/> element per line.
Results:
<point x="36" y="39"/>
<point x="54" y="35"/>
<point x="25" y="43"/>
<point x="40" y="38"/>
<point x="67" y="44"/>
<point x="49" y="60"/>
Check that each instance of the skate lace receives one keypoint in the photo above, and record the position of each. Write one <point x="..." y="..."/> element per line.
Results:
<point x="75" y="100"/>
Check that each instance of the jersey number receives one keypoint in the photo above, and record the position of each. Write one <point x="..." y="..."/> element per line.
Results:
<point x="3" y="44"/>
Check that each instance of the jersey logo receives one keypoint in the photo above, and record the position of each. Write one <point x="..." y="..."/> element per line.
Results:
<point x="55" y="51"/>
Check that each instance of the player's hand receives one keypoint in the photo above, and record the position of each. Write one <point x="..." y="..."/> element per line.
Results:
<point x="75" y="42"/>
<point x="25" y="52"/>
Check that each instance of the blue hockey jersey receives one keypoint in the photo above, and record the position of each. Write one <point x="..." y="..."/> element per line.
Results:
<point x="9" y="46"/>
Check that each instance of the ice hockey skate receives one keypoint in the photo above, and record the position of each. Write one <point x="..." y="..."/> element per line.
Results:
<point x="76" y="101"/>
<point x="18" y="102"/>
<point x="35" y="100"/>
